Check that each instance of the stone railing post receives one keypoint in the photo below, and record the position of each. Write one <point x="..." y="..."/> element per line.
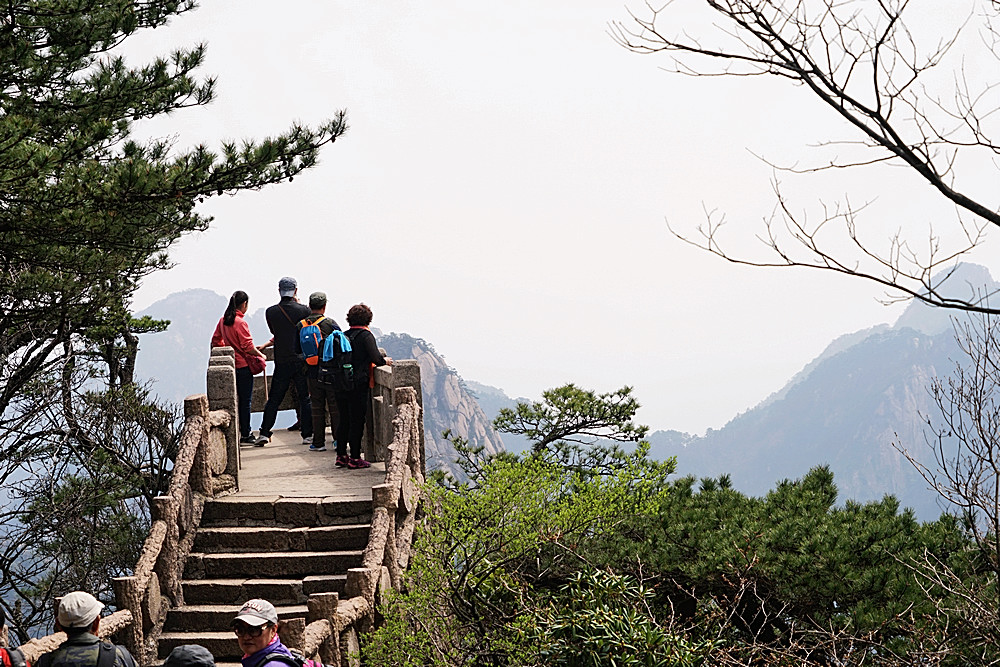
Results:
<point x="200" y="477"/>
<point x="293" y="632"/>
<point x="322" y="606"/>
<point x="221" y="383"/>
<point x="406" y="373"/>
<point x="129" y="596"/>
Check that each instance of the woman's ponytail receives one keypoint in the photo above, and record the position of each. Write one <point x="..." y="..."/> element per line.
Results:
<point x="238" y="298"/>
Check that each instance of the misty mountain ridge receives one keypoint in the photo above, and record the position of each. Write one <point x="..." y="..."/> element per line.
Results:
<point x="865" y="391"/>
<point x="846" y="408"/>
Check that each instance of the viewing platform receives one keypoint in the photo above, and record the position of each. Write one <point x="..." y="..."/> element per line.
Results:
<point x="285" y="467"/>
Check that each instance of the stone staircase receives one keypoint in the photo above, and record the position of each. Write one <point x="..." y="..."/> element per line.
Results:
<point x="279" y="549"/>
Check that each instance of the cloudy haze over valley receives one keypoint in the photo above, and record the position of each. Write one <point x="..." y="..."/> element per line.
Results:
<point x="504" y="189"/>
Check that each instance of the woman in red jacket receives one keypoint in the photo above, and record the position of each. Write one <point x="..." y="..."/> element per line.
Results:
<point x="232" y="331"/>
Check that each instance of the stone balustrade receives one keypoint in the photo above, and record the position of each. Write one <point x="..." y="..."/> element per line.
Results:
<point x="207" y="465"/>
<point x="330" y="632"/>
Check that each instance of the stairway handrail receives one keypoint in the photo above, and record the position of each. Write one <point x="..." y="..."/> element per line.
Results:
<point x="171" y="532"/>
<point x="174" y="515"/>
<point x="332" y="633"/>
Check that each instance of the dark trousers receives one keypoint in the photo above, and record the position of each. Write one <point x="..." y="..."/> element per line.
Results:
<point x="353" y="407"/>
<point x="244" y="392"/>
<point x="322" y="400"/>
<point x="285" y="374"/>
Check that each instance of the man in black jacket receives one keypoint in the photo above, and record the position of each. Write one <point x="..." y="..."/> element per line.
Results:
<point x="283" y="320"/>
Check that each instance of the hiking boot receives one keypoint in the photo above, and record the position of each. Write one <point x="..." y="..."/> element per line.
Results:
<point x="248" y="440"/>
<point x="342" y="461"/>
<point x="261" y="440"/>
<point x="294" y="427"/>
<point x="354" y="464"/>
<point x="307" y="440"/>
<point x="321" y="447"/>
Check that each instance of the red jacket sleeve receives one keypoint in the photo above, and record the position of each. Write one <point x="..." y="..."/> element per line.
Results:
<point x="217" y="338"/>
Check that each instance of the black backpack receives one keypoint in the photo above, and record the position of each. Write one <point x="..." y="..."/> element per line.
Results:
<point x="107" y="654"/>
<point x="336" y="362"/>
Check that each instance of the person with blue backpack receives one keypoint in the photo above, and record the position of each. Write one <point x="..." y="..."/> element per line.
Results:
<point x="354" y="396"/>
<point x="313" y="330"/>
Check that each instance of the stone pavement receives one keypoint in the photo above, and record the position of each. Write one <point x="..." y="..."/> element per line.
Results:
<point x="285" y="467"/>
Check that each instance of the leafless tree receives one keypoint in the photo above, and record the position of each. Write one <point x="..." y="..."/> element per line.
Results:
<point x="911" y="92"/>
<point x="88" y="450"/>
<point x="964" y="437"/>
<point x="903" y="88"/>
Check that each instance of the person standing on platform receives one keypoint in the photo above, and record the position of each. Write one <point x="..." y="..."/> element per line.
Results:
<point x="232" y="331"/>
<point x="321" y="396"/>
<point x="289" y="368"/>
<point x="353" y="404"/>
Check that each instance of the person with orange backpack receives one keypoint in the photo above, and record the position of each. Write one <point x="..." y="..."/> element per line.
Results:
<point x="313" y="330"/>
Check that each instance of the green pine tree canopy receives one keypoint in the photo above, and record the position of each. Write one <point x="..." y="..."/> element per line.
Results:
<point x="86" y="210"/>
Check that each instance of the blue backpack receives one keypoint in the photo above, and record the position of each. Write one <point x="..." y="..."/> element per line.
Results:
<point x="336" y="365"/>
<point x="310" y="338"/>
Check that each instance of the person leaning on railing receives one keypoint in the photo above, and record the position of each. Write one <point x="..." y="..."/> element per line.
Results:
<point x="233" y="331"/>
<point x="79" y="616"/>
<point x="353" y="404"/>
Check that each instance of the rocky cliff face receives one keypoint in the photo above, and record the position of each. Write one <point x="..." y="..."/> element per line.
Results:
<point x="448" y="404"/>
<point x="846" y="410"/>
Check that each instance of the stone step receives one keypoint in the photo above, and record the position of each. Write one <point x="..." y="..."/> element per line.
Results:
<point x="277" y="591"/>
<point x="283" y="564"/>
<point x="291" y="512"/>
<point x="245" y="539"/>
<point x="218" y="617"/>
<point x="222" y="645"/>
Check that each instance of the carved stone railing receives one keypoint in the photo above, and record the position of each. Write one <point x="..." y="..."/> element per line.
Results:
<point x="110" y="625"/>
<point x="330" y="632"/>
<point x="204" y="467"/>
<point x="200" y="471"/>
<point x="207" y="465"/>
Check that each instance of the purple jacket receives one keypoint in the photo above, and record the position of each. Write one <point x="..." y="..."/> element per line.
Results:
<point x="255" y="659"/>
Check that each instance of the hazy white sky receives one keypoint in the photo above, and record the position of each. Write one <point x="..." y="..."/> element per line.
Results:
<point x="503" y="192"/>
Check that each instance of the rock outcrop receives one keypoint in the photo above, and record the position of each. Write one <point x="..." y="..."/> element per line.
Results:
<point x="448" y="404"/>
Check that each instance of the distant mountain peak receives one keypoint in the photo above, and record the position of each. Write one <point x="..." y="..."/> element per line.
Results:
<point x="970" y="282"/>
